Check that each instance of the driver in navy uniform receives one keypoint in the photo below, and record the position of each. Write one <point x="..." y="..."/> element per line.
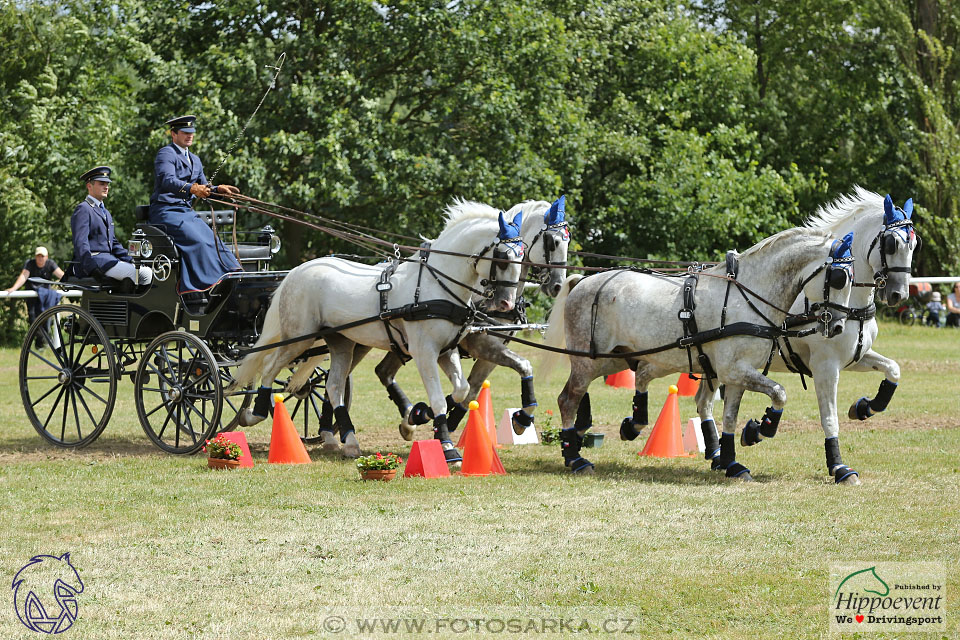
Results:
<point x="178" y="181"/>
<point x="96" y="250"/>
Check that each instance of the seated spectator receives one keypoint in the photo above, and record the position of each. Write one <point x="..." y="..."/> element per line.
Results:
<point x="96" y="251"/>
<point x="40" y="266"/>
<point x="953" y="306"/>
<point x="934" y="307"/>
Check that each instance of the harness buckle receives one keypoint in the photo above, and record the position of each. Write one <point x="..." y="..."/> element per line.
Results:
<point x="384" y="286"/>
<point x="685" y="314"/>
<point x="686" y="341"/>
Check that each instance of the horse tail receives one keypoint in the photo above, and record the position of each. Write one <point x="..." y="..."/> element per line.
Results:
<point x="556" y="332"/>
<point x="304" y="372"/>
<point x="251" y="367"/>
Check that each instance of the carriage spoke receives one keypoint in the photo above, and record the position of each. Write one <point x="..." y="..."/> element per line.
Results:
<point x="58" y="367"/>
<point x="66" y="406"/>
<point x="84" y="402"/>
<point x="56" y="403"/>
<point x="188" y="427"/>
<point x="155" y="409"/>
<point x="41" y="377"/>
<point x="93" y="393"/>
<point x="163" y="427"/>
<point x="76" y="414"/>
<point x="40" y="399"/>
<point x="200" y="413"/>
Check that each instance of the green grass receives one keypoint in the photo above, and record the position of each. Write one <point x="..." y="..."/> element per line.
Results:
<point x="167" y="549"/>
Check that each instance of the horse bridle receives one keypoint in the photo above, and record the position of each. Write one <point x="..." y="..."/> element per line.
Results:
<point x="552" y="236"/>
<point x="836" y="276"/>
<point x="502" y="250"/>
<point x="886" y="242"/>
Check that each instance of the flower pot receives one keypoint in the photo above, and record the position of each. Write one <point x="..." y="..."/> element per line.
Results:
<point x="385" y="475"/>
<point x="220" y="463"/>
<point x="594" y="440"/>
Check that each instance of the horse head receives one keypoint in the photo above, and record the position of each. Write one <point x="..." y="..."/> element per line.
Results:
<point x="504" y="276"/>
<point x="831" y="294"/>
<point x="555" y="240"/>
<point x="891" y="252"/>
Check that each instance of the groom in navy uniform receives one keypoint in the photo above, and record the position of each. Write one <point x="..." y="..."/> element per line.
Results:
<point x="96" y="251"/>
<point x="178" y="180"/>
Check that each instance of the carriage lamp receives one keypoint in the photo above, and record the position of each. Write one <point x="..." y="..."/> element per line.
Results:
<point x="139" y="246"/>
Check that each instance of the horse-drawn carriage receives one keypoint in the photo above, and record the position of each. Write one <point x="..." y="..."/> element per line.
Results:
<point x="178" y="350"/>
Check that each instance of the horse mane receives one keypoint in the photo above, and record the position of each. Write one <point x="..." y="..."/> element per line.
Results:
<point x="841" y="212"/>
<point x="789" y="235"/>
<point x="529" y="207"/>
<point x="461" y="211"/>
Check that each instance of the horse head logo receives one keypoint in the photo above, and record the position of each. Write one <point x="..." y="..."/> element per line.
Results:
<point x="45" y="593"/>
<point x="866" y="581"/>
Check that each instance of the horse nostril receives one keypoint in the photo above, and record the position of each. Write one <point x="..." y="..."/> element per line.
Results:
<point x="556" y="290"/>
<point x="836" y="331"/>
<point x="894" y="299"/>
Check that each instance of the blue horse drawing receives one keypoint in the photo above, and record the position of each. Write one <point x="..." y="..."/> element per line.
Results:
<point x="32" y="589"/>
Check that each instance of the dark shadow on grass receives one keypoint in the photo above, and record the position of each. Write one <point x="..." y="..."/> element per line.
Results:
<point x="35" y="448"/>
<point x="683" y="473"/>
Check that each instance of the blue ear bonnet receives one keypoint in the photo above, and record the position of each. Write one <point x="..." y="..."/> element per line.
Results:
<point x="897" y="219"/>
<point x="510" y="230"/>
<point x="842" y="250"/>
<point x="556" y="213"/>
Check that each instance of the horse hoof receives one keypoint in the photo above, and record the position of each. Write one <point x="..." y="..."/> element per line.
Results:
<point x="750" y="434"/>
<point x="407" y="431"/>
<point x="852" y="480"/>
<point x="329" y="441"/>
<point x="745" y="477"/>
<point x="248" y="418"/>
<point x="628" y="430"/>
<point x="351" y="448"/>
<point x="588" y="470"/>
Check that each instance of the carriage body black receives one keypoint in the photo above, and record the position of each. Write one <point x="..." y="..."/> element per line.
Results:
<point x="178" y="350"/>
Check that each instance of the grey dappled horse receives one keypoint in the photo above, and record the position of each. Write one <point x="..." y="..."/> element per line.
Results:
<point x="883" y="253"/>
<point x="639" y="311"/>
<point x="331" y="292"/>
<point x="546" y="237"/>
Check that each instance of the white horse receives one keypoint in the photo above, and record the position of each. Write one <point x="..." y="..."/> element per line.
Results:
<point x="331" y="292"/>
<point x="626" y="311"/>
<point x="546" y="237"/>
<point x="885" y="242"/>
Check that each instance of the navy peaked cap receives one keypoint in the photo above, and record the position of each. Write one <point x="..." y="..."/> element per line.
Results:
<point x="100" y="174"/>
<point x="182" y="123"/>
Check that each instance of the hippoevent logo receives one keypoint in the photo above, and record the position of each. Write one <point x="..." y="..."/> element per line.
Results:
<point x="888" y="596"/>
<point x="45" y="593"/>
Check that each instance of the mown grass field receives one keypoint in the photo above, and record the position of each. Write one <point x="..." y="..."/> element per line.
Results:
<point x="168" y="549"/>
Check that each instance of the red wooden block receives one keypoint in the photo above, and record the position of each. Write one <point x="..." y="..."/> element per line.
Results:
<point x="426" y="460"/>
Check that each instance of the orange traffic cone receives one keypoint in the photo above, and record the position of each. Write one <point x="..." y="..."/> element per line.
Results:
<point x="285" y="445"/>
<point x="687" y="386"/>
<point x="626" y="379"/>
<point x="486" y="409"/>
<point x="479" y="456"/>
<point x="665" y="440"/>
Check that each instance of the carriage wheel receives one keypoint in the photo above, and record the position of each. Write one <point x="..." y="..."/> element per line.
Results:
<point x="306" y="405"/>
<point x="178" y="392"/>
<point x="70" y="385"/>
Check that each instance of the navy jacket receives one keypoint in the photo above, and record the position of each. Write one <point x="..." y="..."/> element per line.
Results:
<point x="93" y="234"/>
<point x="172" y="177"/>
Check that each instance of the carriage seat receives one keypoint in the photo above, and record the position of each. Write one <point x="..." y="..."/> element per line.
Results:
<point x="110" y="285"/>
<point x="249" y="252"/>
